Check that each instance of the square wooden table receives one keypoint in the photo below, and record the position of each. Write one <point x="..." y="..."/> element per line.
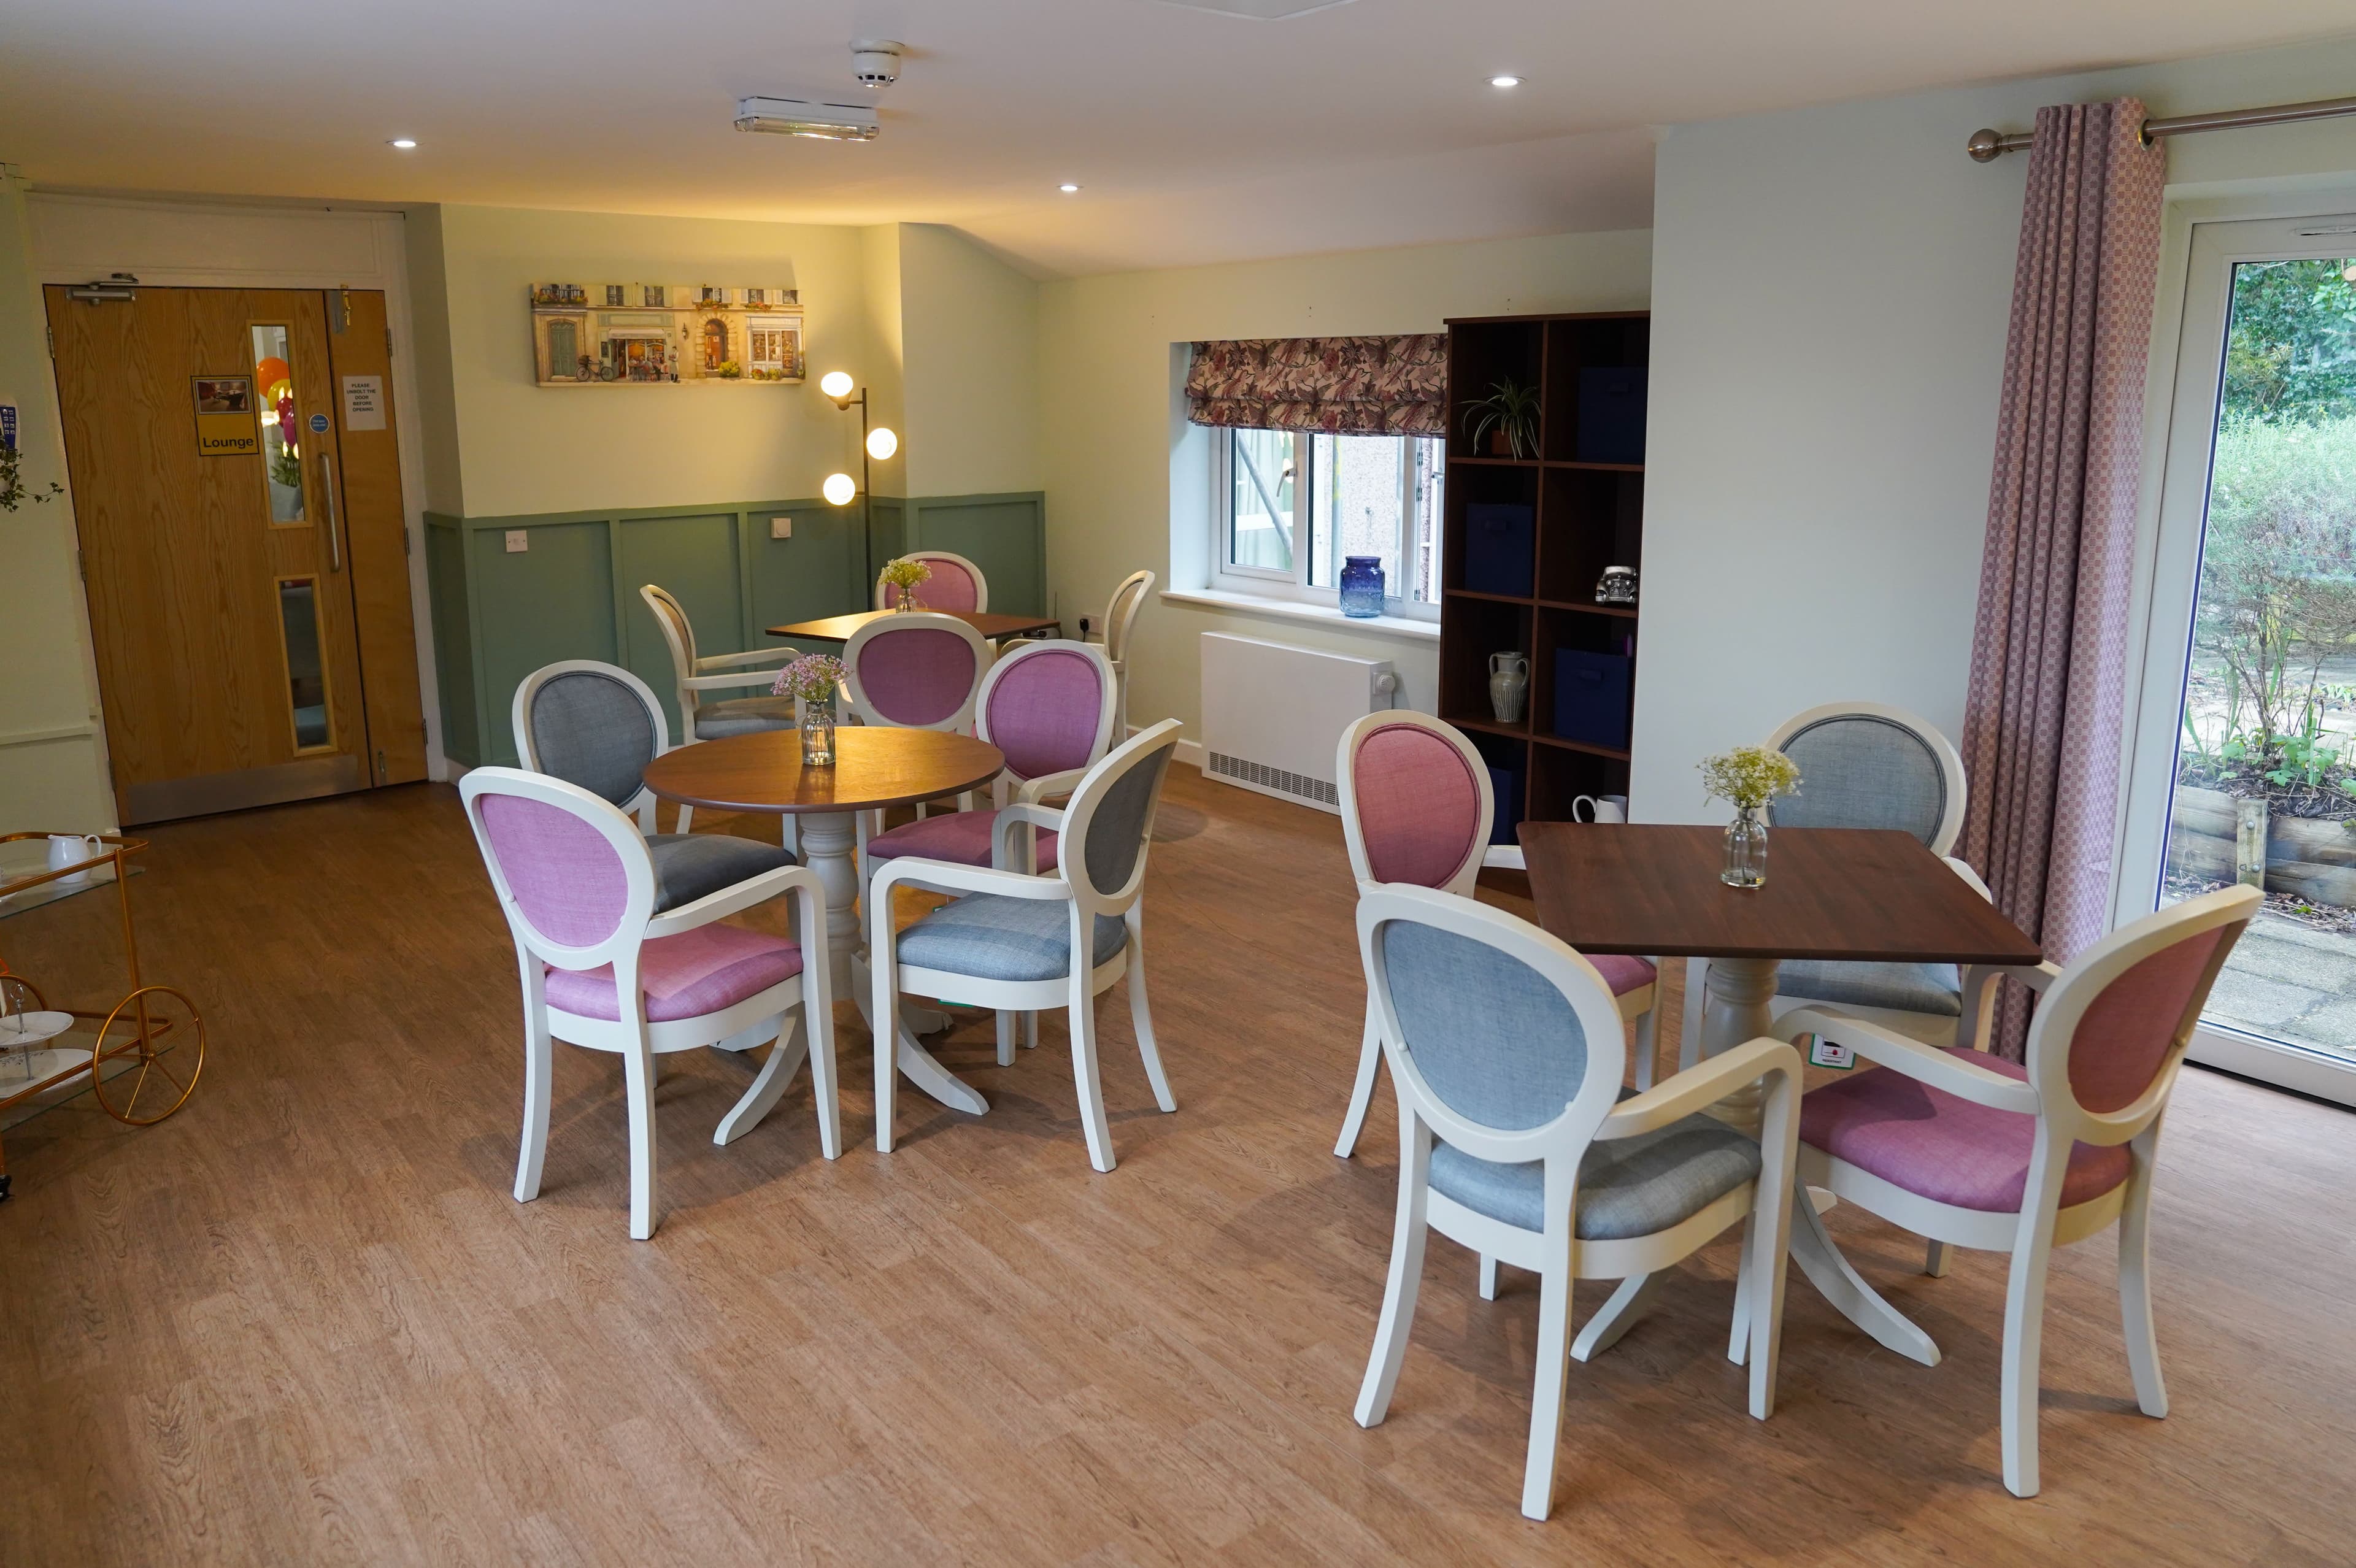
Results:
<point x="992" y="626"/>
<point x="1835" y="895"/>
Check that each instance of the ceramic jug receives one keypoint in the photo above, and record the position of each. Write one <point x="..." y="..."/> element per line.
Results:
<point x="1509" y="682"/>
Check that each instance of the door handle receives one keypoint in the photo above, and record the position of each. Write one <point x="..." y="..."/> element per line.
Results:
<point x="328" y="494"/>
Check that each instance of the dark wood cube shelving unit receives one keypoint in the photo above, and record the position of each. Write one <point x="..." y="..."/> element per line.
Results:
<point x="1587" y="516"/>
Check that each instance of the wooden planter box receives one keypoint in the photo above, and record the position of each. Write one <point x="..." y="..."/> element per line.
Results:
<point x="2311" y="858"/>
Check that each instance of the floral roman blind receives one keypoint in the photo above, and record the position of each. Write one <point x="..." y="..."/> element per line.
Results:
<point x="1342" y="386"/>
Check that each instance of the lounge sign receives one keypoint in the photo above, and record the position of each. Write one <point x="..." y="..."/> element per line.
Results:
<point x="226" y="425"/>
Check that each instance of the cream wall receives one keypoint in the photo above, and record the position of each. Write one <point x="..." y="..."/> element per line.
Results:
<point x="1109" y="379"/>
<point x="52" y="750"/>
<point x="522" y="448"/>
<point x="1831" y="290"/>
<point x="971" y="327"/>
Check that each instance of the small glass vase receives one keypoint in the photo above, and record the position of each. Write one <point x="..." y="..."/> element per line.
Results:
<point x="905" y="602"/>
<point x="1361" y="586"/>
<point x="817" y="732"/>
<point x="1746" y="849"/>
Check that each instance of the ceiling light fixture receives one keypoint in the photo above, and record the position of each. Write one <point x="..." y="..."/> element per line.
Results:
<point x="1068" y="188"/>
<point x="402" y="144"/>
<point x="802" y="117"/>
<point x="1504" y="81"/>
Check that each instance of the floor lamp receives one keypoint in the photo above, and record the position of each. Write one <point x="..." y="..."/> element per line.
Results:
<point x="875" y="446"/>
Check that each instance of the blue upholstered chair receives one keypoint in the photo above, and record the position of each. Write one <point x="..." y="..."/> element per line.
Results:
<point x="1008" y="941"/>
<point x="1507" y="1052"/>
<point x="1865" y="765"/>
<point x="599" y="726"/>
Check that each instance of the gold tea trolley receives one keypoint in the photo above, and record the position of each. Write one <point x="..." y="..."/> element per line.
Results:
<point x="142" y="1055"/>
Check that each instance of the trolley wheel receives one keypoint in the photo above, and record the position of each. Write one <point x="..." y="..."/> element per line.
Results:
<point x="146" y="1070"/>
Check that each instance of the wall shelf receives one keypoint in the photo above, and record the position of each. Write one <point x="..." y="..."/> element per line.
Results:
<point x="1581" y="515"/>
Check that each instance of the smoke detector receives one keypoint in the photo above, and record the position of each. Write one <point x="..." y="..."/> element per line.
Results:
<point x="875" y="62"/>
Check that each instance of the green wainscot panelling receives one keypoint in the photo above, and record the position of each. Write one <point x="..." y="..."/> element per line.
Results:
<point x="572" y="591"/>
<point x="1006" y="536"/>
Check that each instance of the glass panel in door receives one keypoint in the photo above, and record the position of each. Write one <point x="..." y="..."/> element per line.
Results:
<point x="2263" y="776"/>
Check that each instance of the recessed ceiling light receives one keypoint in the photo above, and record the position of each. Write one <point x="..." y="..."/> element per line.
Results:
<point x="1067" y="187"/>
<point x="403" y="144"/>
<point x="1504" y="81"/>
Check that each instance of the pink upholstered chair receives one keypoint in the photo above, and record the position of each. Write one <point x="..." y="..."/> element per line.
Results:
<point x="1417" y="807"/>
<point x="1973" y="1151"/>
<point x="917" y="671"/>
<point x="603" y="971"/>
<point x="955" y="584"/>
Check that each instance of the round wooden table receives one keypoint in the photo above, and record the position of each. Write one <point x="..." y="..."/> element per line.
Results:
<point x="874" y="766"/>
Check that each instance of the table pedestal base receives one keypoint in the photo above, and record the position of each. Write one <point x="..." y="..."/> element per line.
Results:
<point x="1737" y="1010"/>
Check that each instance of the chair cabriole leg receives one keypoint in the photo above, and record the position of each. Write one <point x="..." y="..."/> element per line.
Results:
<point x="2024" y="1318"/>
<point x="1084" y="1078"/>
<point x="2135" y="1278"/>
<point x="1140" y="1015"/>
<point x="638" y="1092"/>
<point x="538" y="1067"/>
<point x="1399" y="1287"/>
<point x="1362" y="1091"/>
<point x="1553" y="1370"/>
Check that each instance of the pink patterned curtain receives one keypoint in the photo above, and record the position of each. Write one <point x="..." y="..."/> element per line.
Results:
<point x="2043" y="724"/>
<point x="1342" y="386"/>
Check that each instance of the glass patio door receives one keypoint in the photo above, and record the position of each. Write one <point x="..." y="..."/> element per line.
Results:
<point x="2245" y="760"/>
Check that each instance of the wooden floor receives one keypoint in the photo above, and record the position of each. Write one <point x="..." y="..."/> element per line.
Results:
<point x="303" y="1322"/>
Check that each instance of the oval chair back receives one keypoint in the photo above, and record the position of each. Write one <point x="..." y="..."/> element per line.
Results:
<point x="595" y="725"/>
<point x="2107" y="1041"/>
<point x="1049" y="706"/>
<point x="1416" y="802"/>
<point x="1120" y="614"/>
<point x="679" y="637"/>
<point x="1110" y="822"/>
<point x="572" y="872"/>
<point x="1864" y="764"/>
<point x="917" y="671"/>
<point x="955" y="584"/>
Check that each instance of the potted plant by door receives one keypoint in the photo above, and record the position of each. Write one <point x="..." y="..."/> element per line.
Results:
<point x="1505" y="423"/>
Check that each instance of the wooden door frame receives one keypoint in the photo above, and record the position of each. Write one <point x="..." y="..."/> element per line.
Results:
<point x="153" y="263"/>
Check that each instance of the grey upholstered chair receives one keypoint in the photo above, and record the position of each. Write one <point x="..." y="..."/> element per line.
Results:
<point x="599" y="726"/>
<point x="1008" y="941"/>
<point x="1865" y="765"/>
<point x="1507" y="1052"/>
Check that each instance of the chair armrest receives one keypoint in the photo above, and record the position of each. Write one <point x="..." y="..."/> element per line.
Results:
<point x="1703" y="1085"/>
<point x="1970" y="875"/>
<point x="717" y="682"/>
<point x="949" y="876"/>
<point x="1046" y="784"/>
<point x="1924" y="1063"/>
<point x="1001" y="832"/>
<point x="776" y="658"/>
<point x="728" y="900"/>
<point x="1504" y="856"/>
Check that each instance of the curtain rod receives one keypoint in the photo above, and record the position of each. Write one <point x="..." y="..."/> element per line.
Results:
<point x="1986" y="146"/>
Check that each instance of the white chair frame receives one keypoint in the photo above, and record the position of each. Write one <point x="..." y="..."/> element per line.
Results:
<point x="640" y="805"/>
<point x="2041" y="1224"/>
<point x="1077" y="991"/>
<point x="1556" y="1254"/>
<point x="869" y="823"/>
<point x="1120" y="614"/>
<point x="757" y="1019"/>
<point x="718" y="672"/>
<point x="1636" y="1005"/>
<point x="981" y="583"/>
<point x="1923" y="1026"/>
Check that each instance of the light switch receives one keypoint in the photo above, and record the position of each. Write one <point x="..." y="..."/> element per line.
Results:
<point x="519" y="541"/>
<point x="781" y="527"/>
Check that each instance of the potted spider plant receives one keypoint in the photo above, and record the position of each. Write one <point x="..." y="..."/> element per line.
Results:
<point x="1506" y="421"/>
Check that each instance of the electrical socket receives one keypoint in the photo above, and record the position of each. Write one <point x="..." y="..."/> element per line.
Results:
<point x="519" y="541"/>
<point x="781" y="527"/>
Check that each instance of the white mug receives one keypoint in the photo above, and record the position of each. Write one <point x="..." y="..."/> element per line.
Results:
<point x="71" y="849"/>
<point x="1600" y="808"/>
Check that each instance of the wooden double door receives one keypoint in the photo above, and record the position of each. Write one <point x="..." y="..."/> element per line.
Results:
<point x="237" y="492"/>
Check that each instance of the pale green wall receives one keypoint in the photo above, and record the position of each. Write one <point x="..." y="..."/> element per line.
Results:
<point x="1831" y="291"/>
<point x="429" y="307"/>
<point x="880" y="254"/>
<point x="971" y="328"/>
<point x="1107" y="378"/>
<point x="52" y="766"/>
<point x="524" y="448"/>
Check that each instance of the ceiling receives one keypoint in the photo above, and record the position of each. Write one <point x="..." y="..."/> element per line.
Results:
<point x="1196" y="135"/>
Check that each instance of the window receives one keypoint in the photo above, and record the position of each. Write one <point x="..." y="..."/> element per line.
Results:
<point x="1290" y="506"/>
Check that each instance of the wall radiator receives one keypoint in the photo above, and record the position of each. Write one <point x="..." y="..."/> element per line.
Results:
<point x="1272" y="714"/>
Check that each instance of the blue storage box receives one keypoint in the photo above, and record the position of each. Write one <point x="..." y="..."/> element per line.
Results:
<point x="1505" y="784"/>
<point x="1591" y="697"/>
<point x="1611" y="414"/>
<point x="1497" y="555"/>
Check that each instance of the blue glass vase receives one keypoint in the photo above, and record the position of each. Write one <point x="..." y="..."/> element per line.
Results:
<point x="1361" y="586"/>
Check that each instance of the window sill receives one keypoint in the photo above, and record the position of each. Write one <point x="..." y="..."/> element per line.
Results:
<point x="1288" y="610"/>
